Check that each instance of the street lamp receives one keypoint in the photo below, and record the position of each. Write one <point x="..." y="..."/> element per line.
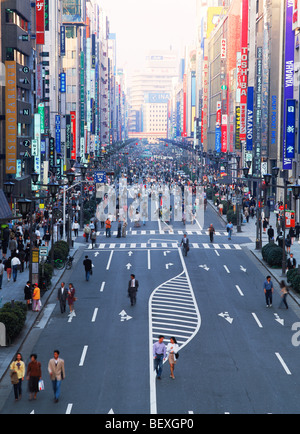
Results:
<point x="35" y="178"/>
<point x="8" y="188"/>
<point x="71" y="177"/>
<point x="296" y="190"/>
<point x="268" y="178"/>
<point x="53" y="189"/>
<point x="24" y="206"/>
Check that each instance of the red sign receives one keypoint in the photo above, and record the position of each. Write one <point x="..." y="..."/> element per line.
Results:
<point x="40" y="22"/>
<point x="74" y="132"/>
<point x="224" y="133"/>
<point x="244" y="70"/>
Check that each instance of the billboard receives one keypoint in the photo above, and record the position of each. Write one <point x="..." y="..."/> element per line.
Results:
<point x="72" y="11"/>
<point x="11" y="114"/>
<point x="288" y="76"/>
<point x="244" y="70"/>
<point x="40" y="22"/>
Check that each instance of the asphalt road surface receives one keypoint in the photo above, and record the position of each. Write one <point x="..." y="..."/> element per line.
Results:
<point x="236" y="355"/>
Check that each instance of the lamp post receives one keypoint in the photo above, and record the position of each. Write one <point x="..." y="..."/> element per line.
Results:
<point x="25" y="208"/>
<point x="53" y="190"/>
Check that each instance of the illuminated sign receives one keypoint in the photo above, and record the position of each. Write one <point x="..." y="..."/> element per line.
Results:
<point x="11" y="117"/>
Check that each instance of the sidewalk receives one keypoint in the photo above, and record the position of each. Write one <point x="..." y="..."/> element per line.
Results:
<point x="249" y="231"/>
<point x="15" y="291"/>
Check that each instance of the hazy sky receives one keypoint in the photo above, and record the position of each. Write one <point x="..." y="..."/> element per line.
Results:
<point x="142" y="25"/>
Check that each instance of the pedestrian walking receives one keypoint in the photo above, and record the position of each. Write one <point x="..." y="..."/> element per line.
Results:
<point x="86" y="232"/>
<point x="71" y="299"/>
<point x="88" y="266"/>
<point x="172" y="355"/>
<point x="229" y="230"/>
<point x="133" y="287"/>
<point x="211" y="231"/>
<point x="15" y="264"/>
<point x="269" y="289"/>
<point x="36" y="298"/>
<point x="17" y="375"/>
<point x="288" y="243"/>
<point x="75" y="228"/>
<point x="291" y="262"/>
<point x="28" y="294"/>
<point x="7" y="268"/>
<point x="34" y="375"/>
<point x="159" y="355"/>
<point x="271" y="234"/>
<point x="56" y="369"/>
<point x="185" y="244"/>
<point x="124" y="229"/>
<point x="108" y="228"/>
<point x="93" y="238"/>
<point x="62" y="295"/>
<point x="284" y="293"/>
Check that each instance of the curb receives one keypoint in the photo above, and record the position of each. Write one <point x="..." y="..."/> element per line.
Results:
<point x="30" y="326"/>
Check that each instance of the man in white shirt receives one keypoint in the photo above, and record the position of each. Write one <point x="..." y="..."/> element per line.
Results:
<point x="15" y="263"/>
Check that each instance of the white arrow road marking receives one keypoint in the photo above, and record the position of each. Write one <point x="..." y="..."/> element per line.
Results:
<point x="97" y="254"/>
<point x="226" y="316"/>
<point x="278" y="319"/>
<point x="128" y="266"/>
<point x="124" y="316"/>
<point x="168" y="266"/>
<point x="130" y="254"/>
<point x="205" y="267"/>
<point x="243" y="269"/>
<point x="166" y="253"/>
<point x="111" y="411"/>
<point x="71" y="316"/>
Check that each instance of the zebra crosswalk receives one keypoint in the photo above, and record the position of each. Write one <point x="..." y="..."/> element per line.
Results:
<point x="161" y="245"/>
<point x="164" y="232"/>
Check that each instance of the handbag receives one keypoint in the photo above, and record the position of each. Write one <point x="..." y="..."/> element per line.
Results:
<point x="41" y="386"/>
<point x="14" y="377"/>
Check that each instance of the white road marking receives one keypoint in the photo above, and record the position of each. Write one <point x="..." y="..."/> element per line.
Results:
<point x="95" y="314"/>
<point x="83" y="356"/>
<point x="239" y="290"/>
<point x="283" y="364"/>
<point x="149" y="260"/>
<point x="109" y="261"/>
<point x="257" y="320"/>
<point x="69" y="409"/>
<point x="226" y="268"/>
<point x="102" y="287"/>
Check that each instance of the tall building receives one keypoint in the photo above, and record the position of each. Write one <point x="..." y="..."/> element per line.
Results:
<point x="157" y="77"/>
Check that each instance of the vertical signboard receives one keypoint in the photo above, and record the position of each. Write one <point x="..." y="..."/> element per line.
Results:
<point x="74" y="132"/>
<point x="238" y="146"/>
<point x="40" y="22"/>
<point x="11" y="117"/>
<point x="250" y="119"/>
<point x="218" y="138"/>
<point x="205" y="102"/>
<point x="288" y="76"/>
<point x="244" y="70"/>
<point x="58" y="134"/>
<point x="62" y="40"/>
<point x="290" y="128"/>
<point x="224" y="133"/>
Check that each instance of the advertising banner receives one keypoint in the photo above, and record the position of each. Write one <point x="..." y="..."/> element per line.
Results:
<point x="250" y="107"/>
<point x="244" y="70"/>
<point x="290" y="128"/>
<point x="11" y="117"/>
<point x="288" y="76"/>
<point x="224" y="133"/>
<point x="74" y="132"/>
<point x="218" y="134"/>
<point x="40" y="22"/>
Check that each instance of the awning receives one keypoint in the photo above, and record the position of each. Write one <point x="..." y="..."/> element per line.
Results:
<point x="5" y="211"/>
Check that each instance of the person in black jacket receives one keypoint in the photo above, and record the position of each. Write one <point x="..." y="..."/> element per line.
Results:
<point x="133" y="287"/>
<point x="88" y="266"/>
<point x="28" y="294"/>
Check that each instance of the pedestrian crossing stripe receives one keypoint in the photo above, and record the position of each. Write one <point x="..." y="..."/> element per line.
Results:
<point x="168" y="232"/>
<point x="123" y="246"/>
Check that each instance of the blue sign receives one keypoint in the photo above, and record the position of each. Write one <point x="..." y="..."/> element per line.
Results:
<point x="218" y="138"/>
<point x="250" y="119"/>
<point x="290" y="128"/>
<point x="62" y="40"/>
<point x="58" y="134"/>
<point x="100" y="177"/>
<point x="63" y="82"/>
